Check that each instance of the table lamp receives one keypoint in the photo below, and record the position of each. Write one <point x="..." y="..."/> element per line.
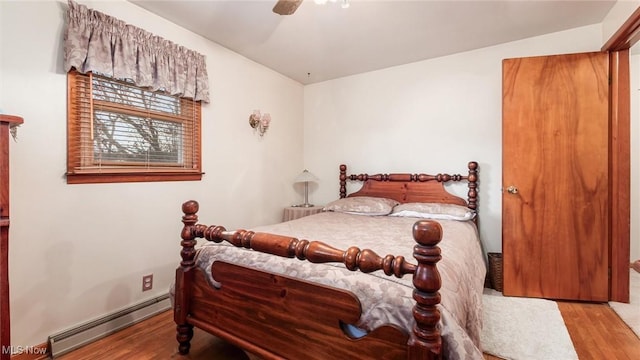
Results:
<point x="305" y="177"/>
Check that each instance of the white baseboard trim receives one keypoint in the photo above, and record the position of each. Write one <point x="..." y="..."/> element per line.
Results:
<point x="71" y="339"/>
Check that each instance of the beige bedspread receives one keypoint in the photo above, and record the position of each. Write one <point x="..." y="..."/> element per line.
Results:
<point x="384" y="299"/>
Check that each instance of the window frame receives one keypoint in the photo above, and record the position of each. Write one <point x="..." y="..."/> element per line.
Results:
<point x="126" y="171"/>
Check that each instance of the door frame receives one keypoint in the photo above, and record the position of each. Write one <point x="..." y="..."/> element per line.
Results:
<point x="620" y="155"/>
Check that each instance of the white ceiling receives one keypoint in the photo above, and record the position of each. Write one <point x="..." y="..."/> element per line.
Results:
<point x="323" y="42"/>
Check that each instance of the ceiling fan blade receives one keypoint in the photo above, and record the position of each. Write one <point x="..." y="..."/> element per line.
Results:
<point x="286" y="7"/>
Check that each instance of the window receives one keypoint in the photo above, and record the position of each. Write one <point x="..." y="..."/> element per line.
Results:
<point x="119" y="132"/>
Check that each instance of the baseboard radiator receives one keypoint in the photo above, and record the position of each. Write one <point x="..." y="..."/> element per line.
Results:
<point x="68" y="340"/>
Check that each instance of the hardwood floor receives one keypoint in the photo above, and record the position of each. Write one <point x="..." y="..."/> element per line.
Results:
<point x="598" y="333"/>
<point x="595" y="329"/>
<point x="155" y="339"/>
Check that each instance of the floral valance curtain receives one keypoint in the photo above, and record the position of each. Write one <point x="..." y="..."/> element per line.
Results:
<point x="97" y="42"/>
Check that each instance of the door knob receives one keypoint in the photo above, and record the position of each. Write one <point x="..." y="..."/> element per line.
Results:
<point x="512" y="190"/>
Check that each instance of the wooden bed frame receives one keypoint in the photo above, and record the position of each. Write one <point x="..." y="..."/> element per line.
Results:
<point x="276" y="317"/>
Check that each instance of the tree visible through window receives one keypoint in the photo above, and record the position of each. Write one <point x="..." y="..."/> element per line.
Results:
<point x="120" y="132"/>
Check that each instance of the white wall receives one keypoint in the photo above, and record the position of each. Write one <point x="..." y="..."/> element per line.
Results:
<point x="619" y="13"/>
<point x="78" y="252"/>
<point x="429" y="116"/>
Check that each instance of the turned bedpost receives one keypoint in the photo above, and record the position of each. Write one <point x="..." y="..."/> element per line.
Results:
<point x="188" y="243"/>
<point x="184" y="276"/>
<point x="426" y="341"/>
<point x="472" y="180"/>
<point x="343" y="181"/>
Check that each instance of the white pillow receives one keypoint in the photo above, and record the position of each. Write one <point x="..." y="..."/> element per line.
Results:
<point x="362" y="205"/>
<point x="436" y="211"/>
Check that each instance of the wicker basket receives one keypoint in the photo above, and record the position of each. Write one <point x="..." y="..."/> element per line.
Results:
<point x="495" y="270"/>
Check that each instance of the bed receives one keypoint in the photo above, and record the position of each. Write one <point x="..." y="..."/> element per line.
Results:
<point x="317" y="288"/>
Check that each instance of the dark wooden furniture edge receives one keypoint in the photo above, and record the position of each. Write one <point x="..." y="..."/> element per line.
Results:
<point x="194" y="294"/>
<point x="6" y="121"/>
<point x="11" y="119"/>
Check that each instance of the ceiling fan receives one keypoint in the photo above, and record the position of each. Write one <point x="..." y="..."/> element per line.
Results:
<point x="286" y="7"/>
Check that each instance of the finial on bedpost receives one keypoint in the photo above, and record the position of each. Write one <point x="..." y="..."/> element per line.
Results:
<point x="426" y="342"/>
<point x="189" y="208"/>
<point x="343" y="181"/>
<point x="472" y="180"/>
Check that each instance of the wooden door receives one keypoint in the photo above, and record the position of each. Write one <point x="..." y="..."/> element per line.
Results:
<point x="555" y="177"/>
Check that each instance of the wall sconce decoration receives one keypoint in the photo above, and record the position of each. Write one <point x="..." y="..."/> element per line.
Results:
<point x="260" y="122"/>
<point x="305" y="177"/>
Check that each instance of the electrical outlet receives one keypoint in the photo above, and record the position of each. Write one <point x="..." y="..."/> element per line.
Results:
<point x="147" y="282"/>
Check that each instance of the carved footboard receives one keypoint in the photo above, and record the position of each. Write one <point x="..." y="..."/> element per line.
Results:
<point x="275" y="316"/>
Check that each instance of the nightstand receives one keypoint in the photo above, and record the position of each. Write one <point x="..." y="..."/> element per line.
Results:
<point x="296" y="212"/>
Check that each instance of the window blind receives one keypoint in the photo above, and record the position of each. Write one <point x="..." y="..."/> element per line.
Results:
<point x="116" y="128"/>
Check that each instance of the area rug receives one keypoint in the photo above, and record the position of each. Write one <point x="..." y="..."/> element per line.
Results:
<point x="630" y="313"/>
<point x="524" y="329"/>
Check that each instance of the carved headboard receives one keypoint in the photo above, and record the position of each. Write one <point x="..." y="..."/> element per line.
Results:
<point x="413" y="187"/>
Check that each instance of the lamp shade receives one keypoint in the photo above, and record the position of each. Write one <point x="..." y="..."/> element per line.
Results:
<point x="305" y="176"/>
